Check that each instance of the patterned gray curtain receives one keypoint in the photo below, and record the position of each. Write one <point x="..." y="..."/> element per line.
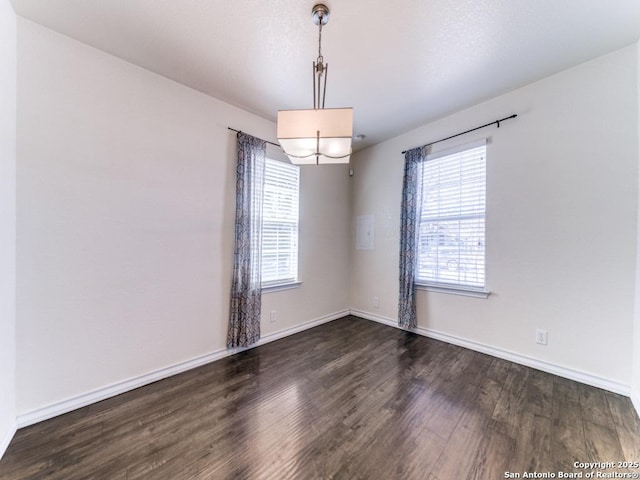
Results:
<point x="409" y="224"/>
<point x="246" y="291"/>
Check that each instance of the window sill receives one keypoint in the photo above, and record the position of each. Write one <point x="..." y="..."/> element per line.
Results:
<point x="454" y="290"/>
<point x="280" y="286"/>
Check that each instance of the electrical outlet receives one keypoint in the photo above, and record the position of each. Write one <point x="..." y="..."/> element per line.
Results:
<point x="541" y="337"/>
<point x="376" y="302"/>
<point x="274" y="316"/>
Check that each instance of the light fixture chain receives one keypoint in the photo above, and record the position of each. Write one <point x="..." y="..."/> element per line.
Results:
<point x="320" y="41"/>
<point x="318" y="97"/>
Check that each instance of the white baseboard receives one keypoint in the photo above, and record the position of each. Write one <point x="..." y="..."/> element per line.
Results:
<point x="53" y="410"/>
<point x="6" y="440"/>
<point x="561" y="371"/>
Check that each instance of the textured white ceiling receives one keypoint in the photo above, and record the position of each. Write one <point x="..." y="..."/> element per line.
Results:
<point x="399" y="64"/>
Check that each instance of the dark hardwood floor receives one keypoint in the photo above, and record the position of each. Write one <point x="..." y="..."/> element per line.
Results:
<point x="350" y="399"/>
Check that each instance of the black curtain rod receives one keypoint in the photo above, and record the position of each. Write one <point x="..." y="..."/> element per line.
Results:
<point x="240" y="131"/>
<point x="497" y="122"/>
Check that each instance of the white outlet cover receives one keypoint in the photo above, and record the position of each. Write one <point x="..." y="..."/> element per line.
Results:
<point x="541" y="337"/>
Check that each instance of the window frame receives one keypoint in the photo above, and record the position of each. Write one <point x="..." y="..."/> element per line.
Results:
<point x="281" y="283"/>
<point x="452" y="287"/>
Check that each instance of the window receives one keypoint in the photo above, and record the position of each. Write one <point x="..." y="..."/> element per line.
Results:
<point x="280" y="223"/>
<point x="451" y="243"/>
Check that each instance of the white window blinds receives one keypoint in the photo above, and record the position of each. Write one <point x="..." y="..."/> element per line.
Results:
<point x="280" y="223"/>
<point x="451" y="249"/>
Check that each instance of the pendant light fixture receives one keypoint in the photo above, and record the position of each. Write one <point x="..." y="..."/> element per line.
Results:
<point x="317" y="136"/>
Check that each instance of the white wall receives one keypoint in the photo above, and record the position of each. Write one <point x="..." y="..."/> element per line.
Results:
<point x="562" y="200"/>
<point x="7" y="222"/>
<point x="125" y="224"/>
<point x="635" y="382"/>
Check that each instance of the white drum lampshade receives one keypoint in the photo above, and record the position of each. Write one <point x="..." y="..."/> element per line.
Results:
<point x="316" y="136"/>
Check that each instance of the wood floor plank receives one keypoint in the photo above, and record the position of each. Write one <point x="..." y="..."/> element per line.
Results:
<point x="458" y="459"/>
<point x="601" y="442"/>
<point x="532" y="447"/>
<point x="568" y="441"/>
<point x="595" y="407"/>
<point x="350" y="399"/>
<point x="492" y="457"/>
<point x="455" y="393"/>
<point x="539" y="393"/>
<point x="626" y="424"/>
<point x="512" y="401"/>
